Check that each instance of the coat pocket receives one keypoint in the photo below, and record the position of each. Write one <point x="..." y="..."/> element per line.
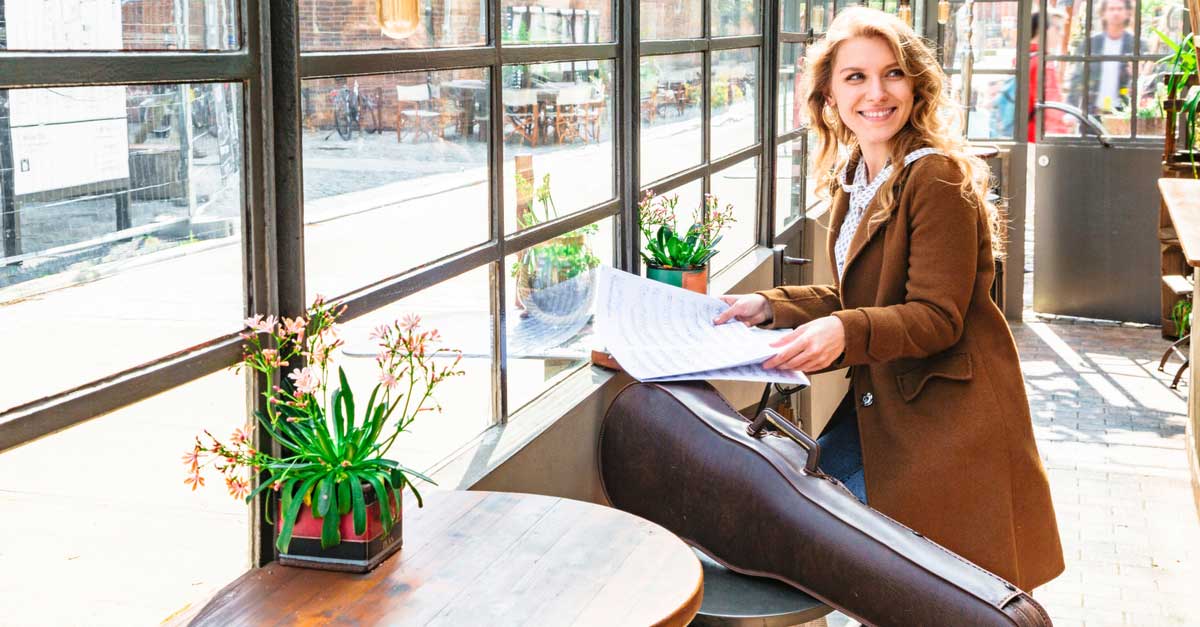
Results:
<point x="951" y="366"/>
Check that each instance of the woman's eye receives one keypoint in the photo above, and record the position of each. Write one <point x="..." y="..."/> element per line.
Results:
<point x="857" y="76"/>
<point x="896" y="73"/>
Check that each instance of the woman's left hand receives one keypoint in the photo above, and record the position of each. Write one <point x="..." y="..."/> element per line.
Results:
<point x="810" y="347"/>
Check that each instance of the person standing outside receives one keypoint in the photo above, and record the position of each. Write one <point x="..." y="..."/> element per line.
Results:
<point x="1054" y="122"/>
<point x="1107" y="79"/>
<point x="935" y="431"/>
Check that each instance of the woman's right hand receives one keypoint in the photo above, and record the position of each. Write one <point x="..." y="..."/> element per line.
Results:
<point x="749" y="309"/>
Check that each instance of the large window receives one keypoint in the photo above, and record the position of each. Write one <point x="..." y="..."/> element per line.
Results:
<point x="165" y="173"/>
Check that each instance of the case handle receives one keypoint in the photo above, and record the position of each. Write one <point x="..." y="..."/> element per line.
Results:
<point x="756" y="430"/>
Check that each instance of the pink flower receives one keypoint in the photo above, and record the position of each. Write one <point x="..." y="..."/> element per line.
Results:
<point x="388" y="380"/>
<point x="192" y="458"/>
<point x="194" y="480"/>
<point x="258" y="324"/>
<point x="238" y="487"/>
<point x="380" y="332"/>
<point x="239" y="437"/>
<point x="410" y="322"/>
<point x="295" y="326"/>
<point x="305" y="380"/>
<point x="271" y="358"/>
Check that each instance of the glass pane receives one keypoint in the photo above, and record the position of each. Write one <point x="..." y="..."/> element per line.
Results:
<point x="822" y="14"/>
<point x="811" y="183"/>
<point x="1112" y="28"/>
<point x="734" y="17"/>
<point x="1150" y="117"/>
<point x="993" y="107"/>
<point x="672" y="19"/>
<point x="734" y="100"/>
<point x="1064" y="125"/>
<point x="670" y="112"/>
<point x="551" y="298"/>
<point x="328" y="25"/>
<point x="133" y="200"/>
<point x="387" y="157"/>
<point x="994" y="35"/>
<point x="556" y="21"/>
<point x="791" y="104"/>
<point x="558" y="121"/>
<point x="94" y="513"/>
<point x="1108" y="86"/>
<point x="790" y="164"/>
<point x="1056" y="122"/>
<point x="125" y="25"/>
<point x="791" y="15"/>
<point x="737" y="185"/>
<point x="459" y="309"/>
<point x="1168" y="16"/>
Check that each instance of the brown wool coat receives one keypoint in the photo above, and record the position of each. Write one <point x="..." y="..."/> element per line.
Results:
<point x="947" y="438"/>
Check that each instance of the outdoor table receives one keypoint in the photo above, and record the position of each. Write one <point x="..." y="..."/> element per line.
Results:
<point x="488" y="558"/>
<point x="1181" y="197"/>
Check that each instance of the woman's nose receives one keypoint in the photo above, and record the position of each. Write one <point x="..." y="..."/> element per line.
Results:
<point x="875" y="89"/>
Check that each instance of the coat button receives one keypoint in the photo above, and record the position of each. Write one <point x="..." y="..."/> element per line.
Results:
<point x="868" y="399"/>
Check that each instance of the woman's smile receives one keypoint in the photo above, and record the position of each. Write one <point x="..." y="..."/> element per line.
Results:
<point x="877" y="115"/>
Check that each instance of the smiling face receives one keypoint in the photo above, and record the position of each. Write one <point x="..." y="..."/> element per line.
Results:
<point x="872" y="94"/>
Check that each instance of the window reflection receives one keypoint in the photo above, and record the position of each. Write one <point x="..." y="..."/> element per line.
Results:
<point x="127" y="25"/>
<point x="354" y="25"/>
<point x="790" y="164"/>
<point x="670" y="113"/>
<point x="737" y="185"/>
<point x="735" y="17"/>
<point x="460" y="311"/>
<point x="671" y="19"/>
<point x="131" y="197"/>
<point x="387" y="156"/>
<point x="558" y="122"/>
<point x="556" y="22"/>
<point x="734" y="100"/>
<point x="551" y="291"/>
<point x="792" y="109"/>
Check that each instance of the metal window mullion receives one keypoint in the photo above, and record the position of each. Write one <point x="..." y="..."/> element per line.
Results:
<point x="496" y="219"/>
<point x="535" y="235"/>
<point x="706" y="60"/>
<point x="259" y="260"/>
<point x="769" y="126"/>
<point x="19" y="70"/>
<point x="671" y="46"/>
<point x="557" y="53"/>
<point x="331" y="64"/>
<point x="627" y="95"/>
<point x="30" y="421"/>
<point x="732" y="43"/>
<point x="1134" y="95"/>
<point x="384" y="292"/>
<point x="1086" y="87"/>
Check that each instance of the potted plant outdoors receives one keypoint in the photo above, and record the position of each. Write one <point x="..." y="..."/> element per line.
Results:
<point x="334" y="494"/>
<point x="554" y="279"/>
<point x="675" y="258"/>
<point x="1182" y="97"/>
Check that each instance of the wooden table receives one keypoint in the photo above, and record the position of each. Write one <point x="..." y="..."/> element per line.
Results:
<point x="1182" y="199"/>
<point x="488" y="558"/>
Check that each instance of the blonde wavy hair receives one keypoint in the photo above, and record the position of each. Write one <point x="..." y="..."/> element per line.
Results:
<point x="934" y="121"/>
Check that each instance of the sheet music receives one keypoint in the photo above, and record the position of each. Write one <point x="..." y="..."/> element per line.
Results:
<point x="657" y="331"/>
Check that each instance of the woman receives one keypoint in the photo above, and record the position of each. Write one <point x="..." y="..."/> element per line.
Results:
<point x="935" y="431"/>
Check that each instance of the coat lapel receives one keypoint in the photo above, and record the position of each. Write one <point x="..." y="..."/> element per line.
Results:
<point x="874" y="217"/>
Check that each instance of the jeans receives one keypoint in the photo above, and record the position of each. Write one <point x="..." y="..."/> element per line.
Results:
<point x="841" y="450"/>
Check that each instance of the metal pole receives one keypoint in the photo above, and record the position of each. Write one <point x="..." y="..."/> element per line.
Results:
<point x="9" y="223"/>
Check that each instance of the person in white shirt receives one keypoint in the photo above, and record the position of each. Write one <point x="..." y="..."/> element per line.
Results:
<point x="1107" y="78"/>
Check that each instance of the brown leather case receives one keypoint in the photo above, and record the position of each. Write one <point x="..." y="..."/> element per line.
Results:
<point x="755" y="500"/>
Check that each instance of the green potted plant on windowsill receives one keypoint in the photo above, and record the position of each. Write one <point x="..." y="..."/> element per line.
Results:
<point x="554" y="279"/>
<point x="681" y="258"/>
<point x="1181" y="99"/>
<point x="333" y="493"/>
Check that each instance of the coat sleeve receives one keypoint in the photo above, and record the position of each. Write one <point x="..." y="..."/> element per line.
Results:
<point x="943" y="253"/>
<point x="794" y="305"/>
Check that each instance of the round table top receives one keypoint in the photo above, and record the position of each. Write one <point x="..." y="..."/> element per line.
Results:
<point x="494" y="557"/>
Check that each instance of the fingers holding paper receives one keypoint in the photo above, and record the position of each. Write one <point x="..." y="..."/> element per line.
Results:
<point x="749" y="309"/>
<point x="811" y="347"/>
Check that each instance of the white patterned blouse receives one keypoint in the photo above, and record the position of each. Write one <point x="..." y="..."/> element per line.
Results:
<point x="861" y="193"/>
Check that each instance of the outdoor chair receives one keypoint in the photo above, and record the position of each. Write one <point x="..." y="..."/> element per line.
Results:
<point x="521" y="115"/>
<point x="415" y="113"/>
<point x="571" y="113"/>
<point x="1182" y="287"/>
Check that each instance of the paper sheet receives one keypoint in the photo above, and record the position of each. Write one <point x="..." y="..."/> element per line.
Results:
<point x="660" y="332"/>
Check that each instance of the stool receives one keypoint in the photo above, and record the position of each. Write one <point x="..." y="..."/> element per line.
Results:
<point x="1181" y="286"/>
<point x="735" y="600"/>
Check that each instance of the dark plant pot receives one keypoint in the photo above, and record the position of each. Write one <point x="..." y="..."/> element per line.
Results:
<point x="691" y="279"/>
<point x="356" y="553"/>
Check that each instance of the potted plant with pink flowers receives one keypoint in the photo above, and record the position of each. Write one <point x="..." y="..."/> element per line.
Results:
<point x="334" y="494"/>
<point x="675" y="257"/>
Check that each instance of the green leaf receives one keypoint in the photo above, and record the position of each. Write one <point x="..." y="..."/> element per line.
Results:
<point x="343" y="497"/>
<point x="324" y="497"/>
<point x="331" y="533"/>
<point x="410" y="471"/>
<point x="360" y="506"/>
<point x="348" y="399"/>
<point x="385" y="512"/>
<point x="291" y="510"/>
<point x="338" y="416"/>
